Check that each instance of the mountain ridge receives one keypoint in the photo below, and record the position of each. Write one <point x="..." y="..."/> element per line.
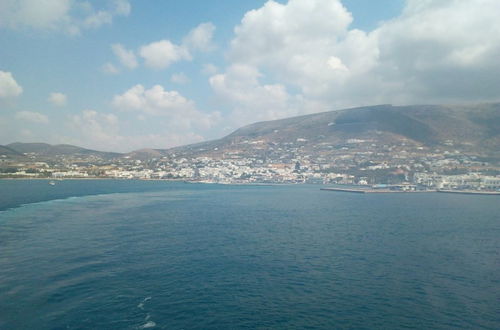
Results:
<point x="470" y="128"/>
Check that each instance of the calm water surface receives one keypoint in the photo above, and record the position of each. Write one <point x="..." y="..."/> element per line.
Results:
<point x="134" y="255"/>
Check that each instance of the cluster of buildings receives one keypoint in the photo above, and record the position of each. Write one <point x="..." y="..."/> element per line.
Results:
<point x="353" y="162"/>
<point x="470" y="181"/>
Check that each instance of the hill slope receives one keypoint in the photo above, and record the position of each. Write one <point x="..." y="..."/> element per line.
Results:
<point x="47" y="150"/>
<point x="469" y="129"/>
<point x="6" y="151"/>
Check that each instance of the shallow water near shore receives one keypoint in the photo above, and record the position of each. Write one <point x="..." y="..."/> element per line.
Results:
<point x="134" y="254"/>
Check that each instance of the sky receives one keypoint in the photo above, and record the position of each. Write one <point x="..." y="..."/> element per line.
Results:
<point x="121" y="75"/>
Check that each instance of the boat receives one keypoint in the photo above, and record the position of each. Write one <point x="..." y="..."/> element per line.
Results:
<point x="52" y="183"/>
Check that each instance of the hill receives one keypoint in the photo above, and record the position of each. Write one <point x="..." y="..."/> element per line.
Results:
<point x="464" y="128"/>
<point x="9" y="152"/>
<point x="468" y="129"/>
<point x="47" y="150"/>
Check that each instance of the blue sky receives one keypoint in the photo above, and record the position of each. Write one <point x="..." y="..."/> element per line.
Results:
<point x="123" y="75"/>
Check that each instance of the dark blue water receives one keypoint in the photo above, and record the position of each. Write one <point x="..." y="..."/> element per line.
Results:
<point x="186" y="256"/>
<point x="14" y="193"/>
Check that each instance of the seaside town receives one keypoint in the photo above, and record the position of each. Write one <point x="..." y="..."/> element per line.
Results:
<point x="357" y="162"/>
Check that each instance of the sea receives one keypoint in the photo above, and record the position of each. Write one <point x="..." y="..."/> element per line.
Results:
<point x="125" y="254"/>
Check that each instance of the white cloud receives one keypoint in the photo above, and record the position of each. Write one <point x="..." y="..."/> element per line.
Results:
<point x="301" y="27"/>
<point x="435" y="51"/>
<point x="154" y="101"/>
<point x="157" y="101"/>
<point x="442" y="51"/>
<point x="161" y="54"/>
<point x="97" y="130"/>
<point x="69" y="16"/>
<point x="58" y="99"/>
<point x="179" y="78"/>
<point x="44" y="14"/>
<point x="252" y="101"/>
<point x="97" y="124"/>
<point x="200" y="38"/>
<point x="110" y="68"/>
<point x="103" y="132"/>
<point x="127" y="57"/>
<point x="170" y="119"/>
<point x="8" y="86"/>
<point x="305" y="43"/>
<point x="336" y="64"/>
<point x="34" y="117"/>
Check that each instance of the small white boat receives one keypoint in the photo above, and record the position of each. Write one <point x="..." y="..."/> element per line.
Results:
<point x="52" y="183"/>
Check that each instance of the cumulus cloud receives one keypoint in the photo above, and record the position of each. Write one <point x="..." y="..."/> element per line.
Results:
<point x="435" y="51"/>
<point x="179" y="78"/>
<point x="34" y="117"/>
<point x="154" y="101"/>
<point x="127" y="57"/>
<point x="442" y="51"/>
<point x="250" y="100"/>
<point x="96" y="129"/>
<point x="102" y="131"/>
<point x="200" y="38"/>
<point x="306" y="44"/>
<point x="161" y="54"/>
<point x="157" y="101"/>
<point x="58" y="99"/>
<point x="176" y="121"/>
<point x="8" y="86"/>
<point x="97" y="124"/>
<point x="69" y="16"/>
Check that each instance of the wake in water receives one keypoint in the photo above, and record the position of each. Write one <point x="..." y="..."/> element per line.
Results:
<point x="141" y="305"/>
<point x="149" y="323"/>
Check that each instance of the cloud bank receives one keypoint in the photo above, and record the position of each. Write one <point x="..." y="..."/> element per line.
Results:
<point x="303" y="56"/>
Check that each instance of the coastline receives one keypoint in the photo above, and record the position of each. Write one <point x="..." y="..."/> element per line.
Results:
<point x="387" y="191"/>
<point x="469" y="192"/>
<point x="367" y="190"/>
<point x="92" y="178"/>
<point x="376" y="191"/>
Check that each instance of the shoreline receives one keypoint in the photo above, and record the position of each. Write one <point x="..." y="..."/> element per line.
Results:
<point x="469" y="192"/>
<point x="376" y="191"/>
<point x="92" y="178"/>
<point x="338" y="189"/>
<point x="387" y="191"/>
